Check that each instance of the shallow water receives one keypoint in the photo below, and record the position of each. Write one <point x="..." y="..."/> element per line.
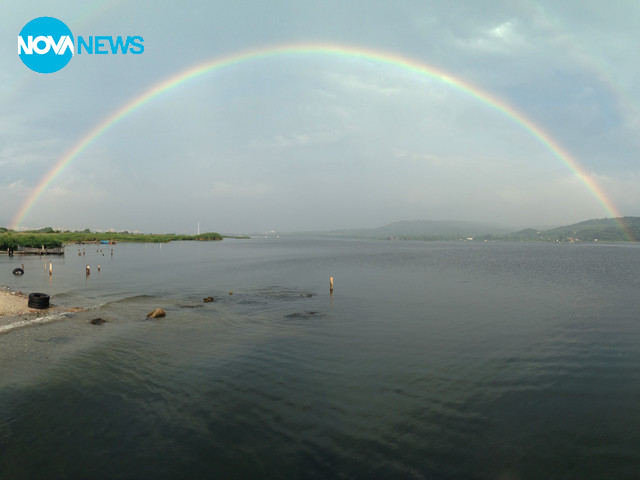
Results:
<point x="431" y="360"/>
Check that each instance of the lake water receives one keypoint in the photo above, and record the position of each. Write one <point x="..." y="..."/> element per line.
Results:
<point x="430" y="360"/>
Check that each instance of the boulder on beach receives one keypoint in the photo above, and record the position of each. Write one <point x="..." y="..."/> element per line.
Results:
<point x="156" y="313"/>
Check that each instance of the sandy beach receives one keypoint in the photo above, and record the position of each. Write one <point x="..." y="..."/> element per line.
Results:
<point x="14" y="312"/>
<point x="15" y="304"/>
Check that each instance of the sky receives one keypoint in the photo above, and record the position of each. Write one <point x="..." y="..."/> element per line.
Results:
<point x="522" y="113"/>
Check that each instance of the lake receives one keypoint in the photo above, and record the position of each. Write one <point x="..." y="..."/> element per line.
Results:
<point x="430" y="360"/>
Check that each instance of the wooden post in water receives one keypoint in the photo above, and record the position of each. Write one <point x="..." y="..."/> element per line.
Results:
<point x="50" y="268"/>
<point x="88" y="270"/>
<point x="331" y="285"/>
<point x="98" y="267"/>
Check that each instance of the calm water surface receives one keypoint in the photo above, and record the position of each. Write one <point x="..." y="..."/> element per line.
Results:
<point x="431" y="360"/>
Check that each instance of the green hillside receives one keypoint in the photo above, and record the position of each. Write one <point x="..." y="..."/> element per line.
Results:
<point x="624" y="229"/>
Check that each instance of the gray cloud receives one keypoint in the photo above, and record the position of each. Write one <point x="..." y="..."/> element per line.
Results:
<point x="296" y="142"/>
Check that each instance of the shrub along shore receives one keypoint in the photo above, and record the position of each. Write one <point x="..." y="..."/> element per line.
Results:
<point x="50" y="238"/>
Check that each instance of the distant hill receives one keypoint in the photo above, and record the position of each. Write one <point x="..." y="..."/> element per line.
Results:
<point x="594" y="230"/>
<point x="426" y="230"/>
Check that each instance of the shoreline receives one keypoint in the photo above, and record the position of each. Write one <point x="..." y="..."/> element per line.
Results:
<point x="14" y="304"/>
<point x="15" y="312"/>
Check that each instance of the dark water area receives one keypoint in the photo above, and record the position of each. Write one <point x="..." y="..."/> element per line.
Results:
<point x="430" y="360"/>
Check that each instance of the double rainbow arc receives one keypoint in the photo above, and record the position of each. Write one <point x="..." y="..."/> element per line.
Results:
<point x="343" y="51"/>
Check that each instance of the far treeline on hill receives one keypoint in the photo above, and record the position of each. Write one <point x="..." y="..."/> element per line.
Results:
<point x="50" y="238"/>
<point x="625" y="229"/>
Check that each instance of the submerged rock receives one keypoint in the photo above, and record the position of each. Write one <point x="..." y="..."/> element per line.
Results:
<point x="207" y="300"/>
<point x="98" y="321"/>
<point x="156" y="313"/>
<point x="305" y="315"/>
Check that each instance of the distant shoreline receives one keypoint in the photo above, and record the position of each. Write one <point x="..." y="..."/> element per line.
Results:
<point x="49" y="238"/>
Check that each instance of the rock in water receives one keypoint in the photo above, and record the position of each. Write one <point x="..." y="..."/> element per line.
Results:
<point x="98" y="321"/>
<point x="156" y="313"/>
<point x="208" y="299"/>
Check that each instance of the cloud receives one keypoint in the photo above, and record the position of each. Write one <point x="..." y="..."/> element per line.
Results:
<point x="278" y="133"/>
<point x="233" y="191"/>
<point x="622" y="191"/>
<point x="368" y="86"/>
<point x="301" y="139"/>
<point x="501" y="39"/>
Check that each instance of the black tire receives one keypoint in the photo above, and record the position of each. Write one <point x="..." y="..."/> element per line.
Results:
<point x="18" y="271"/>
<point x="38" y="300"/>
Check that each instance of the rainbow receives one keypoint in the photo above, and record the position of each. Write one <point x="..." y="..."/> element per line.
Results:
<point x="343" y="51"/>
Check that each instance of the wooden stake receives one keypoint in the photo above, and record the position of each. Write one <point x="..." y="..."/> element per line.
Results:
<point x="330" y="284"/>
<point x="88" y="270"/>
<point x="50" y="268"/>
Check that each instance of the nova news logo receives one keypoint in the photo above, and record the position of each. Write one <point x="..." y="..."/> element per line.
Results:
<point x="45" y="45"/>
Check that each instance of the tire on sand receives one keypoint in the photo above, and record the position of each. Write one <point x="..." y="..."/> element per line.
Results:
<point x="38" y="300"/>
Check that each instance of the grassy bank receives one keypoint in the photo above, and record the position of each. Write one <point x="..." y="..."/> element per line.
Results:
<point x="53" y="239"/>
